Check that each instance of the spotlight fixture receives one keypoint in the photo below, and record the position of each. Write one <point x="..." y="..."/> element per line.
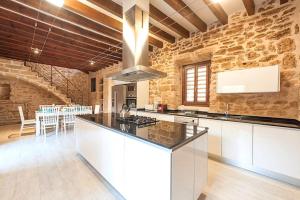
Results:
<point x="36" y="51"/>
<point x="58" y="3"/>
<point x="92" y="62"/>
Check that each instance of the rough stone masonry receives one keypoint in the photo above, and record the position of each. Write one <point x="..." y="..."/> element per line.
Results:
<point x="269" y="37"/>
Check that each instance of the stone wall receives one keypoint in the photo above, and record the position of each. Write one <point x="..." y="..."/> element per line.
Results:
<point x="269" y="37"/>
<point x="78" y="86"/>
<point x="26" y="95"/>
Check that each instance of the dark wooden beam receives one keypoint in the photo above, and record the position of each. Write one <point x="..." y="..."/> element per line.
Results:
<point x="46" y="54"/>
<point x="168" y="22"/>
<point x="3" y="33"/>
<point x="283" y="1"/>
<point x="90" y="13"/>
<point x="187" y="13"/>
<point x="11" y="9"/>
<point x="218" y="11"/>
<point x="250" y="6"/>
<point x="20" y="35"/>
<point x="25" y="24"/>
<point x="48" y="61"/>
<point x="117" y="10"/>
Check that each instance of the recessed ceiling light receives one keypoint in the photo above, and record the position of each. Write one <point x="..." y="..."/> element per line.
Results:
<point x="58" y="3"/>
<point x="216" y="1"/>
<point x="92" y="62"/>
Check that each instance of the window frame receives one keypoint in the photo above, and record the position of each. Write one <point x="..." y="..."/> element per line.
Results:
<point x="184" y="90"/>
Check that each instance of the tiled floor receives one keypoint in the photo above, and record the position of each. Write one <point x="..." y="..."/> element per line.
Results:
<point x="31" y="169"/>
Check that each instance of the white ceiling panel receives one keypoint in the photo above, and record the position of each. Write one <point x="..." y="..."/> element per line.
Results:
<point x="164" y="28"/>
<point x="232" y="6"/>
<point x="201" y="10"/>
<point x="173" y="14"/>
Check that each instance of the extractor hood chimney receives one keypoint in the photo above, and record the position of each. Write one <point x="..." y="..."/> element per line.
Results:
<point x="135" y="43"/>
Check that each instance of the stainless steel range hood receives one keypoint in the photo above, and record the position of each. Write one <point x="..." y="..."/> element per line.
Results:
<point x="135" y="43"/>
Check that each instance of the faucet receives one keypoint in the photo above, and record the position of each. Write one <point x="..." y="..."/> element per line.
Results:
<point x="227" y="110"/>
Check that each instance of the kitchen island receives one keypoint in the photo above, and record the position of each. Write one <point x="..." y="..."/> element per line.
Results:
<point x="161" y="161"/>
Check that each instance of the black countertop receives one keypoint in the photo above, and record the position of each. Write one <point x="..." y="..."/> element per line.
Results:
<point x="168" y="135"/>
<point x="281" y="122"/>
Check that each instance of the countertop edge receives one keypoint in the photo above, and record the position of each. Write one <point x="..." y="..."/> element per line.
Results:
<point x="276" y="124"/>
<point x="171" y="149"/>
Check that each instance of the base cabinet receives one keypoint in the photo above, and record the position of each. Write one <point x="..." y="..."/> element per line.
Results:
<point x="237" y="142"/>
<point x="214" y="135"/>
<point x="277" y="149"/>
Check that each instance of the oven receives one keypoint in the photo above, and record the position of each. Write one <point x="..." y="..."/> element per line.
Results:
<point x="131" y="102"/>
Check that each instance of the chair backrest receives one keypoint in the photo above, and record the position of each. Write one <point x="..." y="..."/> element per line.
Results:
<point x="21" y="113"/>
<point x="45" y="106"/>
<point x="97" y="109"/>
<point x="50" y="115"/>
<point x="69" y="114"/>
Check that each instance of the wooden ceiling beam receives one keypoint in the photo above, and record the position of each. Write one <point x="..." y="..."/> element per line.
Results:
<point x="117" y="10"/>
<point x="13" y="38"/>
<point x="23" y="36"/>
<point x="56" y="22"/>
<point x="21" y="56"/>
<point x="218" y="11"/>
<point x="46" y="54"/>
<point x="27" y="25"/>
<point x="90" y="13"/>
<point x="168" y="22"/>
<point x="250" y="6"/>
<point x="283" y="1"/>
<point x="187" y="13"/>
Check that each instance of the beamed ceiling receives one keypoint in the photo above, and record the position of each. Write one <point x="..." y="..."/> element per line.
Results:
<point x="91" y="30"/>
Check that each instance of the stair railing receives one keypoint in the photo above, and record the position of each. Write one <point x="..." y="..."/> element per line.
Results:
<point x="59" y="80"/>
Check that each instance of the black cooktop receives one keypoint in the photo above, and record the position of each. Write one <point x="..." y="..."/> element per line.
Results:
<point x="138" y="120"/>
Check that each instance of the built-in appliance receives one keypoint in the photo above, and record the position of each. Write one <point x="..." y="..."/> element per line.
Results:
<point x="138" y="120"/>
<point x="135" y="44"/>
<point x="123" y="94"/>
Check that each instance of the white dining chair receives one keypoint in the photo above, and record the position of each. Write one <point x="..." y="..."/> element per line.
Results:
<point x="46" y="106"/>
<point x="25" y="123"/>
<point x="68" y="117"/>
<point x="50" y="119"/>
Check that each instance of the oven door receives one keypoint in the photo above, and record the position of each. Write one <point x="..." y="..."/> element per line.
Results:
<point x="131" y="102"/>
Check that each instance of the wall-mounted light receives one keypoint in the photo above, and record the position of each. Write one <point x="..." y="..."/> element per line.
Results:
<point x="58" y="3"/>
<point x="92" y="62"/>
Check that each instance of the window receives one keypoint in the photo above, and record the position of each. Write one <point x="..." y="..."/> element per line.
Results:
<point x="196" y="84"/>
<point x="93" y="84"/>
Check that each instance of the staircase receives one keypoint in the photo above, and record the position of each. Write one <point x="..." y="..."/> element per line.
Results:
<point x="17" y="69"/>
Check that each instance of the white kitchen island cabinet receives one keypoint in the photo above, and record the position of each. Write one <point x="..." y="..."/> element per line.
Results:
<point x="143" y="162"/>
